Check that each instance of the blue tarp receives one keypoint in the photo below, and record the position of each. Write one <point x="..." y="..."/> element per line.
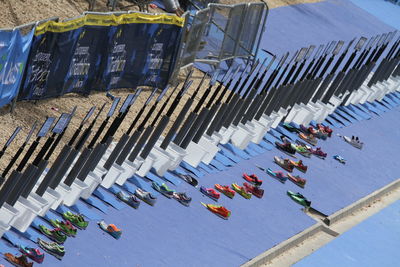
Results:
<point x="100" y="57"/>
<point x="384" y="10"/>
<point x="319" y="23"/>
<point x="373" y="242"/>
<point x="14" y="51"/>
<point x="171" y="234"/>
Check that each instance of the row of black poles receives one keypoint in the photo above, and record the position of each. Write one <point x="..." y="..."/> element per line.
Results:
<point x="310" y="75"/>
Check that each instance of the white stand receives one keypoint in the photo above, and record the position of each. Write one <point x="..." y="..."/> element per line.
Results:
<point x="261" y="127"/>
<point x="279" y="116"/>
<point x="195" y="154"/>
<point x="51" y="196"/>
<point x="394" y="83"/>
<point x="243" y="135"/>
<point x="28" y="210"/>
<point x="376" y="91"/>
<point x="301" y="114"/>
<point x="128" y="170"/>
<point x="363" y="95"/>
<point x="177" y="154"/>
<point x="77" y="188"/>
<point x="227" y="133"/>
<point x="7" y="215"/>
<point x="321" y="110"/>
<point x="62" y="190"/>
<point x="92" y="181"/>
<point x="210" y="144"/>
<point x="112" y="175"/>
<point x="147" y="164"/>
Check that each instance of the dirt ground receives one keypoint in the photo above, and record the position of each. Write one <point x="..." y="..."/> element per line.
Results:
<point x="17" y="12"/>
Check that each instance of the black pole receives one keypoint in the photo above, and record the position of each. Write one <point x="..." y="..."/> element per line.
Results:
<point x="20" y="185"/>
<point x="10" y="183"/>
<point x="36" y="168"/>
<point x="9" y="141"/>
<point x="61" y="172"/>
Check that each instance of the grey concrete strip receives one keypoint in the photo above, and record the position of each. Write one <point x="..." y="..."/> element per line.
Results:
<point x="362" y="202"/>
<point x="294" y="241"/>
<point x="284" y="246"/>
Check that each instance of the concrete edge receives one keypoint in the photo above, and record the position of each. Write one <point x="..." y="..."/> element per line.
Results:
<point x="285" y="245"/>
<point x="320" y="227"/>
<point x="362" y="202"/>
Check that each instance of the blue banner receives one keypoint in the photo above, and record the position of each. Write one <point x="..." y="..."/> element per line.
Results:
<point x="14" y="51"/>
<point x="148" y="59"/>
<point x="102" y="53"/>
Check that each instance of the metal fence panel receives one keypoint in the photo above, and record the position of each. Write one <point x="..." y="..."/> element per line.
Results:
<point x="253" y="27"/>
<point x="215" y="33"/>
<point x="233" y="31"/>
<point x="223" y="32"/>
<point x="195" y="33"/>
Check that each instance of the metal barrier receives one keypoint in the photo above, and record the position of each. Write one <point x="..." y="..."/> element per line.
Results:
<point x="216" y="32"/>
<point x="222" y="32"/>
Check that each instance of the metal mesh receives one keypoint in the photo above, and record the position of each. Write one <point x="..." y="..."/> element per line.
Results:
<point x="233" y="31"/>
<point x="214" y="35"/>
<point x="223" y="32"/>
<point x="255" y="15"/>
<point x="194" y="37"/>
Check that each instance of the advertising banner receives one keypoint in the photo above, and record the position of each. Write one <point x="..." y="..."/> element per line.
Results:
<point x="101" y="52"/>
<point x="14" y="51"/>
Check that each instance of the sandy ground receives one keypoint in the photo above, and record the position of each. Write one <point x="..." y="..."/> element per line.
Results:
<point x="17" y="12"/>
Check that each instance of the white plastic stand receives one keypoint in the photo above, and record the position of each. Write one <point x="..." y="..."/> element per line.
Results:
<point x="148" y="163"/>
<point x="376" y="91"/>
<point x="227" y="133"/>
<point x="323" y="110"/>
<point x="355" y="97"/>
<point x="261" y="127"/>
<point x="394" y="82"/>
<point x="195" y="154"/>
<point x="279" y="116"/>
<point x="92" y="181"/>
<point x="381" y="90"/>
<point x="77" y="188"/>
<point x="177" y="154"/>
<point x="62" y="190"/>
<point x="392" y="85"/>
<point x="28" y="209"/>
<point x="385" y="89"/>
<point x="301" y="114"/>
<point x="112" y="175"/>
<point x="7" y="215"/>
<point x="51" y="196"/>
<point x="292" y="113"/>
<point x="363" y="95"/>
<point x="210" y="144"/>
<point x="243" y="135"/>
<point x="164" y="160"/>
<point x="128" y="170"/>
